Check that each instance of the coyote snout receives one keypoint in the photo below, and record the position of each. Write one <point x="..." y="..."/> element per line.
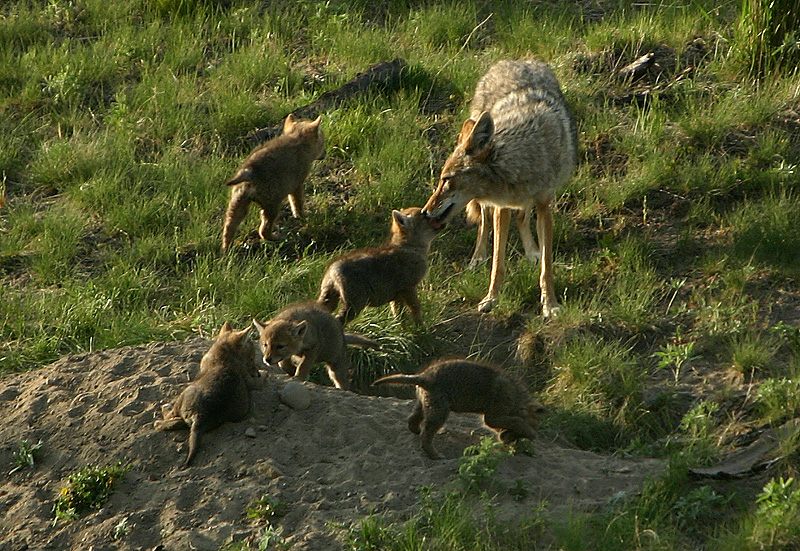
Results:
<point x="517" y="149"/>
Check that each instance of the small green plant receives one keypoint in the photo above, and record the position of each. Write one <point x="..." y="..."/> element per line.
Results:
<point x="272" y="539"/>
<point x="121" y="529"/>
<point x="693" y="511"/>
<point x="676" y="355"/>
<point x="267" y="508"/>
<point x="788" y="333"/>
<point x="87" y="490"/>
<point x="519" y="490"/>
<point x="479" y="462"/>
<point x="25" y="456"/>
<point x="776" y="518"/>
<point x="699" y="424"/>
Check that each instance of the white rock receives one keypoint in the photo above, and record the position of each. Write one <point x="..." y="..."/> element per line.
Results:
<point x="296" y="395"/>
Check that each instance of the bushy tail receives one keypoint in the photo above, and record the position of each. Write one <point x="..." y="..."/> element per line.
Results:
<point x="328" y="297"/>
<point x="244" y="175"/>
<point x="401" y="379"/>
<point x="358" y="340"/>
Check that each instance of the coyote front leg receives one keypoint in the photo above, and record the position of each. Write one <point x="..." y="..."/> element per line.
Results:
<point x="502" y="218"/>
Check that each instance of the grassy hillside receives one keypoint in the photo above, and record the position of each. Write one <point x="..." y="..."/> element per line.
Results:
<point x="676" y="242"/>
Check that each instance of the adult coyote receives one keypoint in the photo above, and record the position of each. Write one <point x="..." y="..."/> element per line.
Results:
<point x="516" y="150"/>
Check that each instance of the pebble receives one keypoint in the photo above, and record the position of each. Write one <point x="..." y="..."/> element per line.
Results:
<point x="296" y="395"/>
<point x="250" y="432"/>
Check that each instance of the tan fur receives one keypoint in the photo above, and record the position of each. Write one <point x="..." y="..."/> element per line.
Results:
<point x="388" y="274"/>
<point x="272" y="172"/>
<point x="517" y="149"/>
<point x="464" y="386"/>
<point x="303" y="334"/>
<point x="221" y="391"/>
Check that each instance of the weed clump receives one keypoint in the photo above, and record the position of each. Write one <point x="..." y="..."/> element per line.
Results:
<point x="87" y="490"/>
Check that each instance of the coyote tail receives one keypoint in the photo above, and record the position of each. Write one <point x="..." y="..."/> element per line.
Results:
<point x="401" y="379"/>
<point x="358" y="340"/>
<point x="194" y="439"/>
<point x="244" y="175"/>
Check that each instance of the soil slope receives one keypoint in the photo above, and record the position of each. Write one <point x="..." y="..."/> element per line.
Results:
<point x="345" y="456"/>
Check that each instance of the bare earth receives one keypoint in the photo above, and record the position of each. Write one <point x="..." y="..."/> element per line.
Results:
<point x="346" y="456"/>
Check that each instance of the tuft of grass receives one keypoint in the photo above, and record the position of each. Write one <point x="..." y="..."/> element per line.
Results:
<point x="25" y="456"/>
<point x="87" y="490"/>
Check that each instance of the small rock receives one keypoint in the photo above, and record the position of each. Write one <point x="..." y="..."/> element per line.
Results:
<point x="250" y="432"/>
<point x="296" y="395"/>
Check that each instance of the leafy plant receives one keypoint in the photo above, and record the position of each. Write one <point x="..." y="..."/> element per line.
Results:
<point x="267" y="508"/>
<point x="87" y="490"/>
<point x="676" y="354"/>
<point x="25" y="455"/>
<point x="777" y="517"/>
<point x="479" y="462"/>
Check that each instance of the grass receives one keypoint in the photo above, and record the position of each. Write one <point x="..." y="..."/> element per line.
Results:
<point x="676" y="241"/>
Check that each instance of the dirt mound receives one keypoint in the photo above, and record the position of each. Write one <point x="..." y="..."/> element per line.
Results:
<point x="345" y="456"/>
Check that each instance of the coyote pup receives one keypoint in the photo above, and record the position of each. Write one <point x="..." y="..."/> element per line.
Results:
<point x="308" y="333"/>
<point x="464" y="386"/>
<point x="375" y="276"/>
<point x="276" y="169"/>
<point x="221" y="391"/>
<point x="517" y="149"/>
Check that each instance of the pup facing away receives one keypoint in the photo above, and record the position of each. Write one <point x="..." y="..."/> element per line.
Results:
<point x="464" y="386"/>
<point x="515" y="152"/>
<point x="221" y="391"/>
<point x="375" y="276"/>
<point x="274" y="170"/>
<point x="304" y="334"/>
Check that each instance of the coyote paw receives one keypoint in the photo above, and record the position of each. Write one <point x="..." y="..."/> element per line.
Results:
<point x="475" y="262"/>
<point x="487" y="304"/>
<point x="551" y="310"/>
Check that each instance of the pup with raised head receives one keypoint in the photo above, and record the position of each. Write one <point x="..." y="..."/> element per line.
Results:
<point x="274" y="170"/>
<point x="303" y="334"/>
<point x="515" y="152"/>
<point x="375" y="276"/>
<point x="221" y="391"/>
<point x="464" y="386"/>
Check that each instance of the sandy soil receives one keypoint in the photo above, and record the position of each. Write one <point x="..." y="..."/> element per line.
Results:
<point x="345" y="456"/>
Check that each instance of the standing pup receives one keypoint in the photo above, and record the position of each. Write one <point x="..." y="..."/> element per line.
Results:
<point x="391" y="273"/>
<point x="274" y="170"/>
<point x="304" y="334"/>
<point x="464" y="386"/>
<point x="221" y="391"/>
<point x="517" y="149"/>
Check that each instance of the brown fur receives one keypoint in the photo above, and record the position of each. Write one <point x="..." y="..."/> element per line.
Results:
<point x="464" y="386"/>
<point x="221" y="391"/>
<point x="514" y="153"/>
<point x="375" y="276"/>
<point x="276" y="169"/>
<point x="304" y="334"/>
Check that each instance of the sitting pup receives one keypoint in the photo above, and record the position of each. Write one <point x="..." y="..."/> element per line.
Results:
<point x="221" y="391"/>
<point x="307" y="333"/>
<point x="465" y="386"/>
<point x="391" y="273"/>
<point x="276" y="169"/>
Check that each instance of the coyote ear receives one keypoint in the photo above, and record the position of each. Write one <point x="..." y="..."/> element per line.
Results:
<point x="239" y="335"/>
<point x="479" y="139"/>
<point x="300" y="328"/>
<point x="289" y="122"/>
<point x="400" y="218"/>
<point x="258" y="325"/>
<point x="315" y="123"/>
<point x="226" y="328"/>
<point x="466" y="131"/>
